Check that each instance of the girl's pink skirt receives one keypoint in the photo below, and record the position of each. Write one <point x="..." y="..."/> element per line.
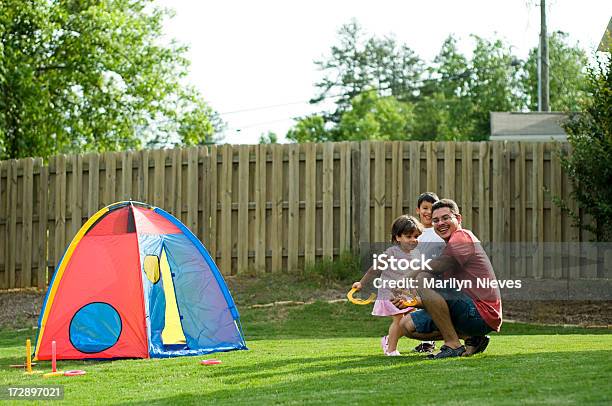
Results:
<point x="386" y="308"/>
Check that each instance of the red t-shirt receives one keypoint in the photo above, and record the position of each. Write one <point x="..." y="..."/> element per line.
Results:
<point x="475" y="266"/>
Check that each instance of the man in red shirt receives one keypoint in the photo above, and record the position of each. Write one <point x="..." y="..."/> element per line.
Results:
<point x="456" y="294"/>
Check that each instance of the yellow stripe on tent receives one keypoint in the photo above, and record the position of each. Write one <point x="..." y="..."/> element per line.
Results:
<point x="173" y="330"/>
<point x="60" y="272"/>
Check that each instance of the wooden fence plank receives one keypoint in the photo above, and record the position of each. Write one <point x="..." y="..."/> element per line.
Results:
<point x="497" y="217"/>
<point x="415" y="176"/>
<point x="12" y="228"/>
<point x="110" y="178"/>
<point x="126" y="175"/>
<point x="555" y="211"/>
<point x="4" y="215"/>
<point x="214" y="201"/>
<point x="466" y="185"/>
<point x="538" y="209"/>
<point x="76" y="211"/>
<point x="26" y="221"/>
<point x="364" y="193"/>
<point x="345" y="196"/>
<point x="260" y="207"/>
<point x="431" y="149"/>
<point x="243" y="208"/>
<point x="328" y="200"/>
<point x="483" y="193"/>
<point x="293" y="228"/>
<point x="192" y="189"/>
<point x="506" y="206"/>
<point x="139" y="184"/>
<point x="159" y="183"/>
<point x="397" y="179"/>
<point x="276" y="220"/>
<point x="177" y="176"/>
<point x="356" y="186"/>
<point x="93" y="179"/>
<point x="41" y="279"/>
<point x="380" y="197"/>
<point x="310" y="199"/>
<point x="226" y="210"/>
<point x="51" y="218"/>
<point x="519" y="209"/>
<point x="449" y="170"/>
<point x="204" y="198"/>
<point x="60" y="208"/>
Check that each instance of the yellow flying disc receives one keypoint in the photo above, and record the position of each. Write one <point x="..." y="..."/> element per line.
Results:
<point x="360" y="301"/>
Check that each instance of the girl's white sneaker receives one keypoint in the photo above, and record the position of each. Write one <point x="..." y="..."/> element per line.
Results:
<point x="395" y="353"/>
<point x="383" y="343"/>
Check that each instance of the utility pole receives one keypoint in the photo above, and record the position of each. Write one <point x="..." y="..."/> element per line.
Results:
<point x="543" y="82"/>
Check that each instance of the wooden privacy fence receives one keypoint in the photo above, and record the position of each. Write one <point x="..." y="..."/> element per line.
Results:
<point x="273" y="208"/>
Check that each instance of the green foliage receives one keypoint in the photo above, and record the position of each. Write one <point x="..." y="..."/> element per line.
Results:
<point x="357" y="65"/>
<point x="449" y="100"/>
<point x="445" y="105"/>
<point x="345" y="268"/>
<point x="589" y="163"/>
<point x="568" y="80"/>
<point x="370" y="117"/>
<point x="93" y="75"/>
<point x="493" y="84"/>
<point x="310" y="129"/>
<point x="376" y="118"/>
<point x="269" y="138"/>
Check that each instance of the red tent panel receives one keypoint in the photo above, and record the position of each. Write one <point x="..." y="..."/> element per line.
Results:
<point x="102" y="269"/>
<point x="113" y="223"/>
<point x="149" y="222"/>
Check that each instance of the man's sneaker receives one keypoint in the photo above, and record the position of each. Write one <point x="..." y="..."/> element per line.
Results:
<point x="479" y="343"/>
<point x="447" y="352"/>
<point x="425" y="346"/>
<point x="384" y="343"/>
<point x="395" y="353"/>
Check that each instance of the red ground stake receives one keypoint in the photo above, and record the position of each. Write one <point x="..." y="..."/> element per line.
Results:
<point x="53" y="357"/>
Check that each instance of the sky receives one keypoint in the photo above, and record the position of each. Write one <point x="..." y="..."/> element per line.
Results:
<point x="253" y="60"/>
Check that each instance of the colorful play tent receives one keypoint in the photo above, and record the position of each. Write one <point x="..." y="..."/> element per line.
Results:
<point x="136" y="283"/>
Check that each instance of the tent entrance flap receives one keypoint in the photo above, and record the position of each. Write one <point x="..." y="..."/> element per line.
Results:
<point x="173" y="330"/>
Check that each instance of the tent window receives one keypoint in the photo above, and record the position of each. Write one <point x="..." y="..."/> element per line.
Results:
<point x="151" y="268"/>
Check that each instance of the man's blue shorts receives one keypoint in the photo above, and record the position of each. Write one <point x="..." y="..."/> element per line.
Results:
<point x="463" y="312"/>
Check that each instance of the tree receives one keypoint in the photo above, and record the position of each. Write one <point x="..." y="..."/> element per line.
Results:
<point x="376" y="118"/>
<point x="567" y="75"/>
<point x="310" y="129"/>
<point x="370" y="117"/>
<point x="494" y="84"/>
<point x="445" y="106"/>
<point x="356" y="65"/>
<point x="269" y="138"/>
<point x="589" y="133"/>
<point x="92" y="75"/>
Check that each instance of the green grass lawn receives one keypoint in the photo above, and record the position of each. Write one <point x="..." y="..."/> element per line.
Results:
<point x="329" y="353"/>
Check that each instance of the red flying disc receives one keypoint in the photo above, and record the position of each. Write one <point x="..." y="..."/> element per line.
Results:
<point x="210" y="362"/>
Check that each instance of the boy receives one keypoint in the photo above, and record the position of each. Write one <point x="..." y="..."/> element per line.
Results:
<point x="430" y="244"/>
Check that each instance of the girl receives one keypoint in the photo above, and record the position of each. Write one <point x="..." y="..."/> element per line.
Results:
<point x="404" y="233"/>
